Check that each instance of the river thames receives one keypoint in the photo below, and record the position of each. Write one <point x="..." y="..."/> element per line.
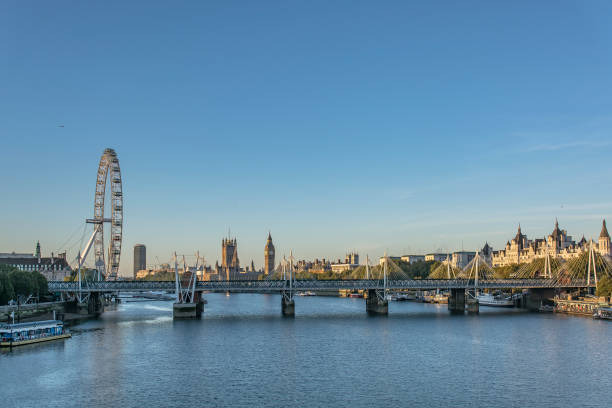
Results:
<point x="243" y="353"/>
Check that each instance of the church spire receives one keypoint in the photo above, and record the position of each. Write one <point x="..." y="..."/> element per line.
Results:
<point x="604" y="231"/>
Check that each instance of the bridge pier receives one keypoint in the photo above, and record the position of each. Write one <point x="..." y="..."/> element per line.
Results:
<point x="535" y="297"/>
<point x="472" y="306"/>
<point x="82" y="308"/>
<point x="93" y="306"/>
<point x="376" y="304"/>
<point x="187" y="310"/>
<point x="456" y="301"/>
<point x="287" y="305"/>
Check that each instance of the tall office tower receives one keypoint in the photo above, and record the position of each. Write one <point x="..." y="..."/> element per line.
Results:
<point x="140" y="258"/>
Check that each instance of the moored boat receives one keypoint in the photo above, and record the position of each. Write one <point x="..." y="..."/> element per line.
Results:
<point x="32" y="332"/>
<point x="440" y="298"/>
<point x="603" y="312"/>
<point x="487" y="299"/>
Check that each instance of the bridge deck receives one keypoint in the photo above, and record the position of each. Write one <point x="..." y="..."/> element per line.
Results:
<point x="314" y="285"/>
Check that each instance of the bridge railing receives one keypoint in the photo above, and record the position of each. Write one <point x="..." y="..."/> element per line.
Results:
<point x="302" y="285"/>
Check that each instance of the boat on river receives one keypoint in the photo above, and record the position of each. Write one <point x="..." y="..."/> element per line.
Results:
<point x="18" y="334"/>
<point x="440" y="298"/>
<point x="487" y="299"/>
<point x="603" y="312"/>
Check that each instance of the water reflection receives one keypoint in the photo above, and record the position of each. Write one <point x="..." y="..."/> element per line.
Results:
<point x="243" y="353"/>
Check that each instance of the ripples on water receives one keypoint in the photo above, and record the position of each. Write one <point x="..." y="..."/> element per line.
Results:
<point x="243" y="353"/>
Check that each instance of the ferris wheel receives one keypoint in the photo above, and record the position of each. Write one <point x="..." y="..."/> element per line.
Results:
<point x="107" y="264"/>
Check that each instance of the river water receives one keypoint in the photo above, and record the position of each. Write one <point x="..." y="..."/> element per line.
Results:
<point x="243" y="353"/>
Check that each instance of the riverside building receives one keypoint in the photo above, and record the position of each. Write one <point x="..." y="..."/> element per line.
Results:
<point x="557" y="245"/>
<point x="52" y="268"/>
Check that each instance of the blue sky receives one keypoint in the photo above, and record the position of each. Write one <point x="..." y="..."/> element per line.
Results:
<point x="373" y="126"/>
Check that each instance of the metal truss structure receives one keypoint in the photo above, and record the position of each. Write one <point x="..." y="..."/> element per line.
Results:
<point x="266" y="286"/>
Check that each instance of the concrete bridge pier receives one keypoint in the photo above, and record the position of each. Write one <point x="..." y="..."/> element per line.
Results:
<point x="376" y="304"/>
<point x="456" y="301"/>
<point x="187" y="310"/>
<point x="287" y="305"/>
<point x="82" y="308"/>
<point x="535" y="297"/>
<point x="472" y="306"/>
<point x="93" y="306"/>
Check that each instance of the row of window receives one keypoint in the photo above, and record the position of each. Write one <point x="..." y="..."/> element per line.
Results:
<point x="32" y="268"/>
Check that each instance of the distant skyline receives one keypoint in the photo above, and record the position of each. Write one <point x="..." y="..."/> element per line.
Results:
<point x="337" y="126"/>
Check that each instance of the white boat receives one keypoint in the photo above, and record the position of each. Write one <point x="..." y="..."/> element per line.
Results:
<point x="306" y="293"/>
<point x="487" y="299"/>
<point x="603" y="312"/>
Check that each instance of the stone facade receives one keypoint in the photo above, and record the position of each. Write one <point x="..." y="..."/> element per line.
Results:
<point x="230" y="264"/>
<point x="558" y="245"/>
<point x="54" y="268"/>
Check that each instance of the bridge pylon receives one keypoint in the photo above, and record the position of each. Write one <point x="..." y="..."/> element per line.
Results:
<point x="377" y="302"/>
<point x="189" y="304"/>
<point x="287" y="301"/>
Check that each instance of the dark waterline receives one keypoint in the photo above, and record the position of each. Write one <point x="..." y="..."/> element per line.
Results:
<point x="243" y="353"/>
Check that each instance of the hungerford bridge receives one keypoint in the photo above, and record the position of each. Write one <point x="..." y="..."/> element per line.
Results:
<point x="463" y="286"/>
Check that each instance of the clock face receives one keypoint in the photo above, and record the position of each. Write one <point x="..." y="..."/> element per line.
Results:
<point x="271" y="252"/>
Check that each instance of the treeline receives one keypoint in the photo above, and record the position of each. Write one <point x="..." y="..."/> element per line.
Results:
<point x="604" y="286"/>
<point x="14" y="283"/>
<point x="505" y="272"/>
<point x="417" y="270"/>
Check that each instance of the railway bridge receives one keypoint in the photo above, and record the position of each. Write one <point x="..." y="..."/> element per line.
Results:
<point x="189" y="302"/>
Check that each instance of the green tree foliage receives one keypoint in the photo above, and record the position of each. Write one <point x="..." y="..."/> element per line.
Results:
<point x="604" y="286"/>
<point x="7" y="292"/>
<point x="14" y="283"/>
<point x="504" y="272"/>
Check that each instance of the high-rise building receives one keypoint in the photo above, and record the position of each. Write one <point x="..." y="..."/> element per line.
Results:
<point x="140" y="258"/>
<point x="269" y="256"/>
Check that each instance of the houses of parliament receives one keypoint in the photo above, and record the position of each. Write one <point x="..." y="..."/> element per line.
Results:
<point x="230" y="263"/>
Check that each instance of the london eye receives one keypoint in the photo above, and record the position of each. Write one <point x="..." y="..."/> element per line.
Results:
<point x="109" y="172"/>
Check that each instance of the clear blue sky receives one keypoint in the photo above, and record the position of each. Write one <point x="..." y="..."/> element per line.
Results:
<point x="337" y="125"/>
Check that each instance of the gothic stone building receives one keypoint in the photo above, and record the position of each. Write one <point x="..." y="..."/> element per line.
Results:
<point x="558" y="245"/>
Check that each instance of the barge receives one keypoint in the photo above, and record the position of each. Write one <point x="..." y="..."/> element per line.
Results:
<point x="19" y="334"/>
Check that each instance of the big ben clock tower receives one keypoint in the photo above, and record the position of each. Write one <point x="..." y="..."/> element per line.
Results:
<point x="269" y="256"/>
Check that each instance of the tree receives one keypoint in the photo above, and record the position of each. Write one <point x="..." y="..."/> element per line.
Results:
<point x="7" y="292"/>
<point x="604" y="286"/>
<point x="14" y="282"/>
